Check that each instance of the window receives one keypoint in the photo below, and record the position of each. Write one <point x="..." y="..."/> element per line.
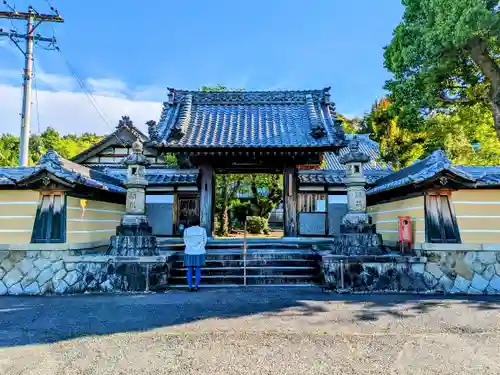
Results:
<point x="441" y="225"/>
<point x="311" y="202"/>
<point x="50" y="222"/>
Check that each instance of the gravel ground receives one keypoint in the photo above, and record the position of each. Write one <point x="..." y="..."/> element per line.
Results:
<point x="251" y="331"/>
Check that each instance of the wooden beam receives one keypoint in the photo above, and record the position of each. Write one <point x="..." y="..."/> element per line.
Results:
<point x="290" y="201"/>
<point x="207" y="191"/>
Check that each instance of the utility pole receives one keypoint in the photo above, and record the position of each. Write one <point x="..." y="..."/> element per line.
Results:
<point x="33" y="20"/>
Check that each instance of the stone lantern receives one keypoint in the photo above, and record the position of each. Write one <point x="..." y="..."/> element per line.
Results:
<point x="134" y="235"/>
<point x="355" y="182"/>
<point x="358" y="235"/>
<point x="136" y="183"/>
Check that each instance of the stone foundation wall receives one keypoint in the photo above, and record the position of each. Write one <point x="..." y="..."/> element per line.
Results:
<point x="471" y="272"/>
<point x="62" y="272"/>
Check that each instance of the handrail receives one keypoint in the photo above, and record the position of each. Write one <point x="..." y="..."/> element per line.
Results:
<point x="245" y="254"/>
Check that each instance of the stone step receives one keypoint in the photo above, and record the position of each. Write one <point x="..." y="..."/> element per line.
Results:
<point x="252" y="243"/>
<point x="291" y="263"/>
<point x="251" y="279"/>
<point x="271" y="250"/>
<point x="209" y="286"/>
<point x="254" y="271"/>
<point x="256" y="256"/>
<point x="283" y="268"/>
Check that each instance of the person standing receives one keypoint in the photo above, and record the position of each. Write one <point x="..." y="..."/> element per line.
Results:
<point x="195" y="239"/>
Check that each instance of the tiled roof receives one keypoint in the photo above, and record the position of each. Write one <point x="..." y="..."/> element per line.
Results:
<point x="430" y="167"/>
<point x="366" y="145"/>
<point x="485" y="175"/>
<point x="9" y="175"/>
<point x="64" y="169"/>
<point x="161" y="176"/>
<point x="335" y="171"/>
<point x="335" y="177"/>
<point x="256" y="119"/>
<point x="124" y="135"/>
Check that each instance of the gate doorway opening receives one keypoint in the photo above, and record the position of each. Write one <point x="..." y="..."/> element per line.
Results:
<point x="256" y="198"/>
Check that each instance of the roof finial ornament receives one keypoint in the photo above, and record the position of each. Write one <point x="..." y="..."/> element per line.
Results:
<point x="326" y="92"/>
<point x="152" y="130"/>
<point x="171" y="95"/>
<point x="125" y="121"/>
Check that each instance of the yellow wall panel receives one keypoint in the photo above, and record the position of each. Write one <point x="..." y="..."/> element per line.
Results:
<point x="475" y="209"/>
<point x="477" y="195"/>
<point x="479" y="224"/>
<point x="7" y="210"/>
<point x="480" y="237"/>
<point x="478" y="215"/>
<point x="97" y="222"/>
<point x="17" y="215"/>
<point x="14" y="196"/>
<point x="385" y="216"/>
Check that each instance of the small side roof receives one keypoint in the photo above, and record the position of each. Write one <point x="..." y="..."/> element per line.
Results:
<point x="434" y="166"/>
<point x="334" y="171"/>
<point x="161" y="176"/>
<point x="51" y="164"/>
<point x="124" y="135"/>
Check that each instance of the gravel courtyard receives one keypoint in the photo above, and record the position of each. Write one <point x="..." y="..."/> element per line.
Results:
<point x="252" y="331"/>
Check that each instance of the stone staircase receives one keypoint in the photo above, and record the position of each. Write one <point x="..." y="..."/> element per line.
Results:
<point x="268" y="263"/>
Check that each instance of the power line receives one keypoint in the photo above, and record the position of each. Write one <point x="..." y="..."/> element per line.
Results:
<point x="33" y="20"/>
<point x="86" y="91"/>
<point x="90" y="96"/>
<point x="13" y="10"/>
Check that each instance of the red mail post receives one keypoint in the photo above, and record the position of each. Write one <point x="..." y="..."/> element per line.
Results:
<point x="405" y="232"/>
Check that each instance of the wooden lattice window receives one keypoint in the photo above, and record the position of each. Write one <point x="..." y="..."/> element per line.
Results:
<point x="440" y="221"/>
<point x="50" y="221"/>
<point x="311" y="202"/>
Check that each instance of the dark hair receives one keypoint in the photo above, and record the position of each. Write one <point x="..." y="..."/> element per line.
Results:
<point x="195" y="221"/>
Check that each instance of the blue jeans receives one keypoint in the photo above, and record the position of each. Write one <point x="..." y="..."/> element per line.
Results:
<point x="190" y="276"/>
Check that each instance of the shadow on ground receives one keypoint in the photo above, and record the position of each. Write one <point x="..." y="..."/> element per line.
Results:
<point x="37" y="320"/>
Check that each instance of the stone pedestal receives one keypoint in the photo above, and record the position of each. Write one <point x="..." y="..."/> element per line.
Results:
<point x="123" y="245"/>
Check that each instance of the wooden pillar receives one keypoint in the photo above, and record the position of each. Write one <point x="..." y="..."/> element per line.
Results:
<point x="207" y="193"/>
<point x="290" y="202"/>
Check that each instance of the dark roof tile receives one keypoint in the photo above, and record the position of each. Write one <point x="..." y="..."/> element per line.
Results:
<point x="161" y="176"/>
<point x="194" y="119"/>
<point x="430" y="167"/>
<point x="64" y="169"/>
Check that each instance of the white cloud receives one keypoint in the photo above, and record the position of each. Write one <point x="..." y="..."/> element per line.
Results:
<point x="72" y="112"/>
<point x="54" y="81"/>
<point x="107" y="87"/>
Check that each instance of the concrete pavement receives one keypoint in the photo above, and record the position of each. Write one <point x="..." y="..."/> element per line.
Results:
<point x="251" y="331"/>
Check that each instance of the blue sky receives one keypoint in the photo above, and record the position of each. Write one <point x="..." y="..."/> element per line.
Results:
<point x="127" y="52"/>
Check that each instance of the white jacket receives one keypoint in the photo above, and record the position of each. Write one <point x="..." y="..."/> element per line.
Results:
<point x="195" y="239"/>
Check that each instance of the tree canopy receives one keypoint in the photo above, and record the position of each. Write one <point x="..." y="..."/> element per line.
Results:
<point x="67" y="146"/>
<point x="444" y="54"/>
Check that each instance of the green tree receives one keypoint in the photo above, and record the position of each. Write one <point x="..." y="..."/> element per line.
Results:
<point x="67" y="146"/>
<point x="445" y="52"/>
<point x="466" y="134"/>
<point x="352" y="125"/>
<point x="398" y="146"/>
<point x="267" y="193"/>
<point x="226" y="188"/>
<point x="9" y="150"/>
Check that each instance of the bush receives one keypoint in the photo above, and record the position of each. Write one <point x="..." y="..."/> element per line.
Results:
<point x="257" y="225"/>
<point x="240" y="210"/>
